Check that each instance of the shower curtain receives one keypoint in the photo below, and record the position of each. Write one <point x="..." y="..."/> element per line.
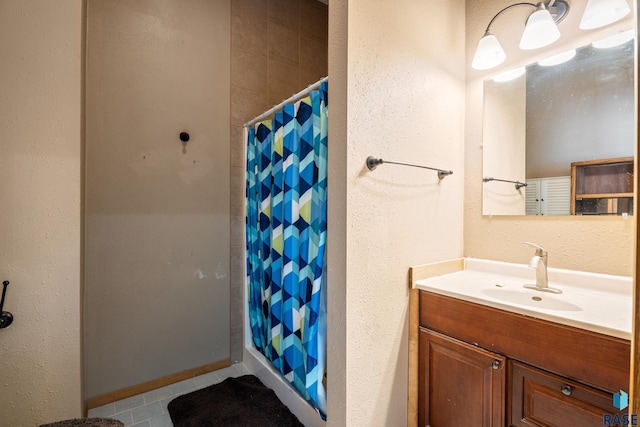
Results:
<point x="286" y="223"/>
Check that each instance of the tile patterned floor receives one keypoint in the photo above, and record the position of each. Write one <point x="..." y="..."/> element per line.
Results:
<point x="150" y="409"/>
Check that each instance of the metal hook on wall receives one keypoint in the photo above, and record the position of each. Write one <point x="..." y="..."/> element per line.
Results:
<point x="184" y="138"/>
<point x="373" y="162"/>
<point x="6" y="318"/>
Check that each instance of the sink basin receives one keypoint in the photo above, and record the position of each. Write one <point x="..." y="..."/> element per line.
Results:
<point x="532" y="298"/>
<point x="596" y="302"/>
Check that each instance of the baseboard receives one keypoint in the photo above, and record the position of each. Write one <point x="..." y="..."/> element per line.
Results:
<point x="114" y="396"/>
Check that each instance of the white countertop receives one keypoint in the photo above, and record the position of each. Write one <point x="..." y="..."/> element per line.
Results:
<point x="596" y="302"/>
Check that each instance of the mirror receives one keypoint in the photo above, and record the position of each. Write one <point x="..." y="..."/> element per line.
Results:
<point x="537" y="125"/>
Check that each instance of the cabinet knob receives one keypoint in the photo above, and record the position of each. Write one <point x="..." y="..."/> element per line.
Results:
<point x="495" y="364"/>
<point x="566" y="390"/>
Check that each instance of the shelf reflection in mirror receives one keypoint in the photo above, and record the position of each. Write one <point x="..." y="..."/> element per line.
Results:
<point x="536" y="125"/>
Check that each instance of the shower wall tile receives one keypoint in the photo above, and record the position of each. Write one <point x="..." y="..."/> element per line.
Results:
<point x="284" y="44"/>
<point x="278" y="47"/>
<point x="237" y="229"/>
<point x="313" y="54"/>
<point x="249" y="70"/>
<point x="313" y="20"/>
<point x="237" y="269"/>
<point x="283" y="81"/>
<point x="313" y="59"/>
<point x="237" y="193"/>
<point x="308" y="75"/>
<point x="246" y="103"/>
<point x="237" y="302"/>
<point x="237" y="336"/>
<point x="238" y="258"/>
<point x="246" y="38"/>
<point x="249" y="8"/>
<point x="285" y="13"/>
<point x="237" y="158"/>
<point x="248" y="27"/>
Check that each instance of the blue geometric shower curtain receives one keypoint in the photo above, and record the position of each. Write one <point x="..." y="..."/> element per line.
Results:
<point x="286" y="229"/>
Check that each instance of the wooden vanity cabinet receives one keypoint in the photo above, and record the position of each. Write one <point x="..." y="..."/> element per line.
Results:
<point x="538" y="398"/>
<point x="482" y="366"/>
<point x="463" y="385"/>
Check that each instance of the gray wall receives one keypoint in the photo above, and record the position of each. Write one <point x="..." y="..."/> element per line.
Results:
<point x="157" y="216"/>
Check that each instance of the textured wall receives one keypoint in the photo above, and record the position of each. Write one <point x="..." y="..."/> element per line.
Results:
<point x="40" y="184"/>
<point x="403" y="71"/>
<point x="157" y="215"/>
<point x="278" y="47"/>
<point x="503" y="153"/>
<point x="603" y="245"/>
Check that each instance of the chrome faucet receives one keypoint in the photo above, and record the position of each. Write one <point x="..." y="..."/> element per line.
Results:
<point x="540" y="261"/>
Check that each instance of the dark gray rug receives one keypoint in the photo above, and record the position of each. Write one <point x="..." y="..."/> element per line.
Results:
<point x="235" y="402"/>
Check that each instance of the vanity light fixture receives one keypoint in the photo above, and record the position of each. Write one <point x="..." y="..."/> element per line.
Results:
<point x="614" y="40"/>
<point x="540" y="30"/>
<point x="558" y="59"/>
<point x="599" y="13"/>
<point x="509" y="75"/>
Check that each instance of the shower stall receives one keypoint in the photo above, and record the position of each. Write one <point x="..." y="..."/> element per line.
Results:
<point x="286" y="195"/>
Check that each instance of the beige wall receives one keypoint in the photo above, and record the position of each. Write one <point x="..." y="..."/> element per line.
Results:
<point x="397" y="76"/>
<point x="278" y="47"/>
<point x="40" y="220"/>
<point x="157" y="215"/>
<point x="603" y="245"/>
<point x="503" y="150"/>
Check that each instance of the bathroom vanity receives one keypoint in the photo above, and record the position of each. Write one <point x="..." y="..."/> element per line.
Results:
<point x="492" y="353"/>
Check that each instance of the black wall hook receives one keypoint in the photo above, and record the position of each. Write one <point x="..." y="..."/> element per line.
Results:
<point x="184" y="138"/>
<point x="6" y="318"/>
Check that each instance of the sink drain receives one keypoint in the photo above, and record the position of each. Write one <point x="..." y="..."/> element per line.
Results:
<point x="536" y="298"/>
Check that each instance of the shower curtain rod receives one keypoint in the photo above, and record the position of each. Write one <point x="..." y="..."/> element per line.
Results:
<point x="294" y="98"/>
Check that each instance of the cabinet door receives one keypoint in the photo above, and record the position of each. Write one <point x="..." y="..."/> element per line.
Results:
<point x="539" y="398"/>
<point x="532" y="197"/>
<point x="548" y="196"/>
<point x="555" y="194"/>
<point x="459" y="384"/>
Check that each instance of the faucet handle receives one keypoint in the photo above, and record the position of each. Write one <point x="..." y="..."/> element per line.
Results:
<point x="539" y="250"/>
